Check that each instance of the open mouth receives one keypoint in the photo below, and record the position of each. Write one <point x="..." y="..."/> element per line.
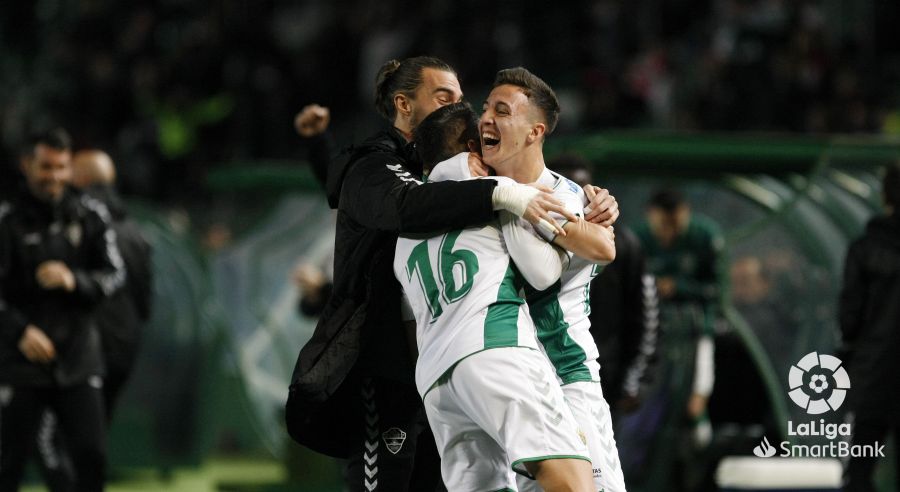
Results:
<point x="490" y="140"/>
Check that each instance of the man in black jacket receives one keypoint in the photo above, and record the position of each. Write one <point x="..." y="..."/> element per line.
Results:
<point x="58" y="260"/>
<point x="870" y="327"/>
<point x="352" y="394"/>
<point x="120" y="317"/>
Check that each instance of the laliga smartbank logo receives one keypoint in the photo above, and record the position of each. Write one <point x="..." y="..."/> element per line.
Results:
<point x="819" y="384"/>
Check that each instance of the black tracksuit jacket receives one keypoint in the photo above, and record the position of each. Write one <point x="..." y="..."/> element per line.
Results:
<point x="870" y="320"/>
<point x="75" y="231"/>
<point x="377" y="191"/>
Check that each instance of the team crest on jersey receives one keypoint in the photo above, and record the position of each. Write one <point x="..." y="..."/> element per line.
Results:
<point x="394" y="439"/>
<point x="73" y="233"/>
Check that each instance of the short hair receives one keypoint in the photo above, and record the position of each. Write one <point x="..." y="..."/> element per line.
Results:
<point x="573" y="166"/>
<point x="536" y="90"/>
<point x="667" y="199"/>
<point x="445" y="132"/>
<point x="890" y="185"/>
<point x="402" y="77"/>
<point x="55" y="138"/>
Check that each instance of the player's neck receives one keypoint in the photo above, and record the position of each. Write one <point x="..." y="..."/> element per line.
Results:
<point x="528" y="167"/>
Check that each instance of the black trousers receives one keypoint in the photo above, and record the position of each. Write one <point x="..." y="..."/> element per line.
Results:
<point x="396" y="450"/>
<point x="80" y="416"/>
<point x="860" y="471"/>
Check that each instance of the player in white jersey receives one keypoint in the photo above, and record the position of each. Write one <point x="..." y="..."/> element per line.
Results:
<point x="489" y="393"/>
<point x="516" y="109"/>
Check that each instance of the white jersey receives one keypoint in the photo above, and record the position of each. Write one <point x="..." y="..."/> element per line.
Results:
<point x="561" y="312"/>
<point x="463" y="290"/>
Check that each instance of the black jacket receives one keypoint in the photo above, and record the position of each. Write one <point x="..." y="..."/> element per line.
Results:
<point x="870" y="319"/>
<point x="120" y="317"/>
<point x="378" y="194"/>
<point x="624" y="319"/>
<point x="75" y="231"/>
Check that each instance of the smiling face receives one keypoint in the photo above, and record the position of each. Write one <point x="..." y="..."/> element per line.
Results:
<point x="47" y="172"/>
<point x="438" y="88"/>
<point x="509" y="126"/>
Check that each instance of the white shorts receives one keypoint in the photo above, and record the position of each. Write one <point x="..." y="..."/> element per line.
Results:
<point x="591" y="411"/>
<point x="500" y="409"/>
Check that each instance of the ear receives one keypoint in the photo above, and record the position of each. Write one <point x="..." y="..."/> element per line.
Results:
<point x="24" y="161"/>
<point x="537" y="132"/>
<point x="474" y="146"/>
<point x="402" y="105"/>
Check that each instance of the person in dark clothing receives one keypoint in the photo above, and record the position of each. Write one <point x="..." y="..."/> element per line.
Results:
<point x="870" y="329"/>
<point x="58" y="261"/>
<point x="119" y="318"/>
<point x="352" y="394"/>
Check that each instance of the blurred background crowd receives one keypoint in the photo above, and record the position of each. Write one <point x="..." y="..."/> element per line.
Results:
<point x="174" y="88"/>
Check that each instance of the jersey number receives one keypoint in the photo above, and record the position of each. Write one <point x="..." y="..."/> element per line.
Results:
<point x="449" y="292"/>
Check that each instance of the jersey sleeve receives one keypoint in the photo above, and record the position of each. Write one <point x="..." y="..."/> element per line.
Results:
<point x="107" y="272"/>
<point x="540" y="262"/>
<point x="385" y="196"/>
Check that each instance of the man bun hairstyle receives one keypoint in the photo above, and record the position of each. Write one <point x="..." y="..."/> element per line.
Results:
<point x="536" y="90"/>
<point x="445" y="132"/>
<point x="402" y="77"/>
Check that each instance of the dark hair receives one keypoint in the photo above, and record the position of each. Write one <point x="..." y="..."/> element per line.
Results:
<point x="890" y="185"/>
<point x="445" y="132"/>
<point x="538" y="92"/>
<point x="55" y="138"/>
<point x="573" y="166"/>
<point x="402" y="77"/>
<point x="667" y="199"/>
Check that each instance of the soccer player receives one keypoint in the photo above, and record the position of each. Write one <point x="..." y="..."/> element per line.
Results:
<point x="490" y="396"/>
<point x="519" y="112"/>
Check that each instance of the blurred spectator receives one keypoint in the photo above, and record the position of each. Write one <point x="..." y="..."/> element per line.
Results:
<point x="176" y="88"/>
<point x="58" y="261"/>
<point x="119" y="318"/>
<point x="870" y="327"/>
<point x="683" y="252"/>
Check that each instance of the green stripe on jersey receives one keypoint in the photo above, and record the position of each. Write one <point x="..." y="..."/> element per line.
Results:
<point x="501" y="326"/>
<point x="567" y="357"/>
